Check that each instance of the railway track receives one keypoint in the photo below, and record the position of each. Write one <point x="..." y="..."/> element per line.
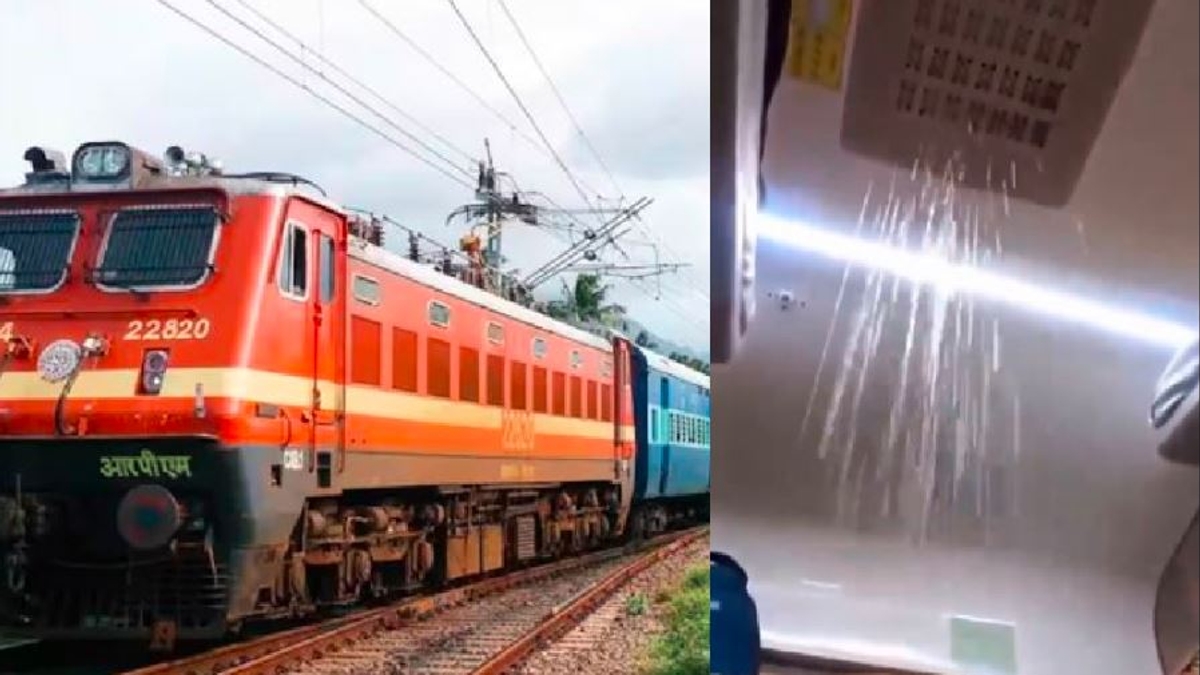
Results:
<point x="486" y="627"/>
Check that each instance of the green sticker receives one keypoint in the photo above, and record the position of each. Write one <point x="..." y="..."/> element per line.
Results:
<point x="982" y="646"/>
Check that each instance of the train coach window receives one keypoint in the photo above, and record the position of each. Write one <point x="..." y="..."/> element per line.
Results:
<point x="157" y="247"/>
<point x="293" y="262"/>
<point x="539" y="348"/>
<point x="439" y="314"/>
<point x="366" y="290"/>
<point x="35" y="249"/>
<point x="517" y="398"/>
<point x="576" y="358"/>
<point x="653" y="430"/>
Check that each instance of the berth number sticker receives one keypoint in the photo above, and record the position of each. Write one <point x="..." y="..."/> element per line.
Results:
<point x="171" y="329"/>
<point x="6" y="331"/>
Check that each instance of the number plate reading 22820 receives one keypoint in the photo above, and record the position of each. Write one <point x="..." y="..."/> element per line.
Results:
<point x="170" y="329"/>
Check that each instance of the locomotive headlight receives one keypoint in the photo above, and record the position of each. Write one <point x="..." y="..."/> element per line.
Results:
<point x="102" y="161"/>
<point x="154" y="368"/>
<point x="58" y="360"/>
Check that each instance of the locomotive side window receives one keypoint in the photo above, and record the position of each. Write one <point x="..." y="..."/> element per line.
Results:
<point x="155" y="247"/>
<point x="495" y="333"/>
<point x="439" y="314"/>
<point x="517" y="385"/>
<point x="293" y="262"/>
<point x="35" y="249"/>
<point x="366" y="290"/>
<point x="325" y="266"/>
<point x="539" y="348"/>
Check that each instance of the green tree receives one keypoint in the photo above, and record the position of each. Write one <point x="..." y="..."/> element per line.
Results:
<point x="585" y="302"/>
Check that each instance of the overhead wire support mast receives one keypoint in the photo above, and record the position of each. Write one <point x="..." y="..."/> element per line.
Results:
<point x="309" y="90"/>
<point x="521" y="104"/>
<point x="315" y="71"/>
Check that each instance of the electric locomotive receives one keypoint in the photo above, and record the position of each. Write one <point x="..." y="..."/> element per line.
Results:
<point x="221" y="399"/>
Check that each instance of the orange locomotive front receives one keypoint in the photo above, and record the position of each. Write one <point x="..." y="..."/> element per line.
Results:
<point x="217" y="403"/>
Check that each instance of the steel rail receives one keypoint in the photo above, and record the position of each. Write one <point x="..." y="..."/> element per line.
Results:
<point x="562" y="619"/>
<point x="276" y="652"/>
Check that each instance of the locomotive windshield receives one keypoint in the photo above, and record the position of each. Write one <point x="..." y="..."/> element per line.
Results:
<point x="35" y="249"/>
<point x="153" y="247"/>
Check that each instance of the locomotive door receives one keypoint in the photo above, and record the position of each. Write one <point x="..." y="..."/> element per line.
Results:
<point x="328" y="312"/>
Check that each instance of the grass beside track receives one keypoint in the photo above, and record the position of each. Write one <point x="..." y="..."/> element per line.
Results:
<point x="682" y="649"/>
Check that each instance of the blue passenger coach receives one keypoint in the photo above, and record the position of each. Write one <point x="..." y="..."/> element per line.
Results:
<point x="671" y="411"/>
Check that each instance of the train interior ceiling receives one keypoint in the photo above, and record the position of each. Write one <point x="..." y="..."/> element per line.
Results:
<point x="961" y="330"/>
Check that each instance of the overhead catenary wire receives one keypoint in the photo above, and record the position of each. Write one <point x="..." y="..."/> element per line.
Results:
<point x="512" y="20"/>
<point x="542" y="148"/>
<point x="579" y="130"/>
<point x="305" y="48"/>
<point x="412" y="44"/>
<point x="348" y="113"/>
<point x="315" y="94"/>
<point x="350" y="95"/>
<point x="520" y="104"/>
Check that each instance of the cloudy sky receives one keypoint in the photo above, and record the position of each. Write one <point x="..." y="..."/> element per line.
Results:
<point x="634" y="73"/>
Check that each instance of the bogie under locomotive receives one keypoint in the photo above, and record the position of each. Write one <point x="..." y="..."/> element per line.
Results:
<point x="221" y="399"/>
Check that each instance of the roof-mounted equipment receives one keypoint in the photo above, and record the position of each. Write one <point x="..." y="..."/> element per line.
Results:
<point x="180" y="163"/>
<point x="47" y="165"/>
<point x="112" y="164"/>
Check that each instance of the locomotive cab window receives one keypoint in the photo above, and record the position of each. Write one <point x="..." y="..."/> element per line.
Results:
<point x="161" y="248"/>
<point x="293" y="262"/>
<point x="35" y="249"/>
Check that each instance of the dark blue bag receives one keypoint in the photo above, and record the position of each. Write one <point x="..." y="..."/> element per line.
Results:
<point x="733" y="631"/>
